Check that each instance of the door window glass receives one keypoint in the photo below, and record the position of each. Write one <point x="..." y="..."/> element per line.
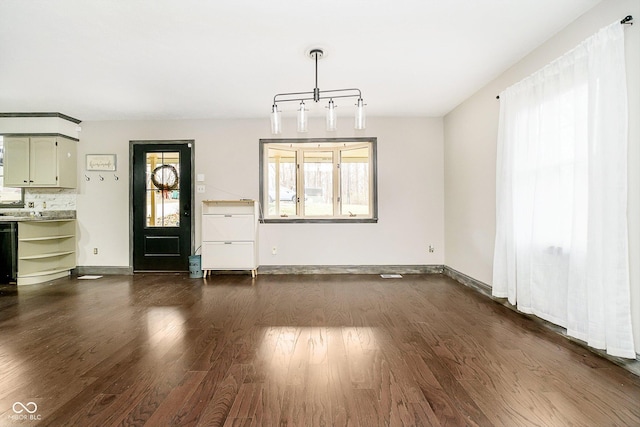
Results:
<point x="163" y="189"/>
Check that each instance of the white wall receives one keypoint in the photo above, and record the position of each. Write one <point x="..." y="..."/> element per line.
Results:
<point x="470" y="151"/>
<point x="410" y="190"/>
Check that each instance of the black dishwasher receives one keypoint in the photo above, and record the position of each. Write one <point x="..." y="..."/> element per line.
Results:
<point x="8" y="252"/>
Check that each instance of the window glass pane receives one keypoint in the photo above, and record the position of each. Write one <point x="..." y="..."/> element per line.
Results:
<point x="9" y="197"/>
<point x="163" y="189"/>
<point x="322" y="180"/>
<point x="354" y="182"/>
<point x="281" y="183"/>
<point x="318" y="183"/>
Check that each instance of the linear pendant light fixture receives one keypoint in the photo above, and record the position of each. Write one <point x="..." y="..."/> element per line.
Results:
<point x="315" y="95"/>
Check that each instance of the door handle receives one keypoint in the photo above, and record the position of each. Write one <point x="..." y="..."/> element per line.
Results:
<point x="187" y="210"/>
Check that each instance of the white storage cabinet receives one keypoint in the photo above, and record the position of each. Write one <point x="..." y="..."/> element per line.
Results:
<point x="229" y="235"/>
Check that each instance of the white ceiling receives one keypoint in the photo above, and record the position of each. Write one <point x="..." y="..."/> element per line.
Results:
<point x="173" y="59"/>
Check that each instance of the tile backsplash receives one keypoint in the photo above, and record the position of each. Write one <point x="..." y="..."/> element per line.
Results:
<point x="56" y="199"/>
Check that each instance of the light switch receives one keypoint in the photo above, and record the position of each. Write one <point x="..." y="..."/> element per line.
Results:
<point x="200" y="189"/>
<point x="200" y="177"/>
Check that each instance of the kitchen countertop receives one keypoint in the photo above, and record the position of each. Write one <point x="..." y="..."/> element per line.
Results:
<point x="39" y="216"/>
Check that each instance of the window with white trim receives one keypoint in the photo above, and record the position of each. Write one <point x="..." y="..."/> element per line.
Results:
<point x="318" y="180"/>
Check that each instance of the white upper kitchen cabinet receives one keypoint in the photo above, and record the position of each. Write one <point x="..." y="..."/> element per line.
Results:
<point x="40" y="161"/>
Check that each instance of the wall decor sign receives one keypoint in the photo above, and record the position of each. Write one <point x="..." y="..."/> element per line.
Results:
<point x="101" y="162"/>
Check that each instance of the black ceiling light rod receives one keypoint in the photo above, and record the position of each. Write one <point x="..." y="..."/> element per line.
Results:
<point x="311" y="96"/>
<point x="316" y="53"/>
<point x="316" y="96"/>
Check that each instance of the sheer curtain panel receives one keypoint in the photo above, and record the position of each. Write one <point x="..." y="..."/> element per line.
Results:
<point x="561" y="203"/>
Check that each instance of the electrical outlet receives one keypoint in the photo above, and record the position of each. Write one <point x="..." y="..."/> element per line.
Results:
<point x="431" y="249"/>
<point x="95" y="251"/>
<point x="44" y="205"/>
<point x="31" y="205"/>
<point x="274" y="251"/>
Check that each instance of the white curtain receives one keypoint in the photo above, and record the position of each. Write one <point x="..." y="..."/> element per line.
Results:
<point x="561" y="232"/>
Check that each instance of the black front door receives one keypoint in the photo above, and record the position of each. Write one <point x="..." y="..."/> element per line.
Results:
<point x="162" y="200"/>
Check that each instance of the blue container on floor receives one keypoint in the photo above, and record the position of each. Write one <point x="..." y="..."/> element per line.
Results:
<point x="195" y="269"/>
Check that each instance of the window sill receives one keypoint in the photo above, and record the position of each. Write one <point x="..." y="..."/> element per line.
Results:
<point x="319" y="220"/>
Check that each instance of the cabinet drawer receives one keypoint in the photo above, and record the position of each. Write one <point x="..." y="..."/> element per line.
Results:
<point x="228" y="256"/>
<point x="228" y="228"/>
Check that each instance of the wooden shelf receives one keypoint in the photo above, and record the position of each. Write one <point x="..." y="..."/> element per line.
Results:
<point x="43" y="273"/>
<point x="46" y="249"/>
<point x="47" y="255"/>
<point x="36" y="239"/>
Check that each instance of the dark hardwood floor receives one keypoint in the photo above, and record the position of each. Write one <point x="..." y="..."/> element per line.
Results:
<point x="313" y="350"/>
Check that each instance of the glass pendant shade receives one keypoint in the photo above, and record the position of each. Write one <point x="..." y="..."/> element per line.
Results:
<point x="331" y="116"/>
<point x="302" y="118"/>
<point x="360" y="115"/>
<point x="276" y="123"/>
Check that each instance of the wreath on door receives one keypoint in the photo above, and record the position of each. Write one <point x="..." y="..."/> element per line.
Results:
<point x="165" y="177"/>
